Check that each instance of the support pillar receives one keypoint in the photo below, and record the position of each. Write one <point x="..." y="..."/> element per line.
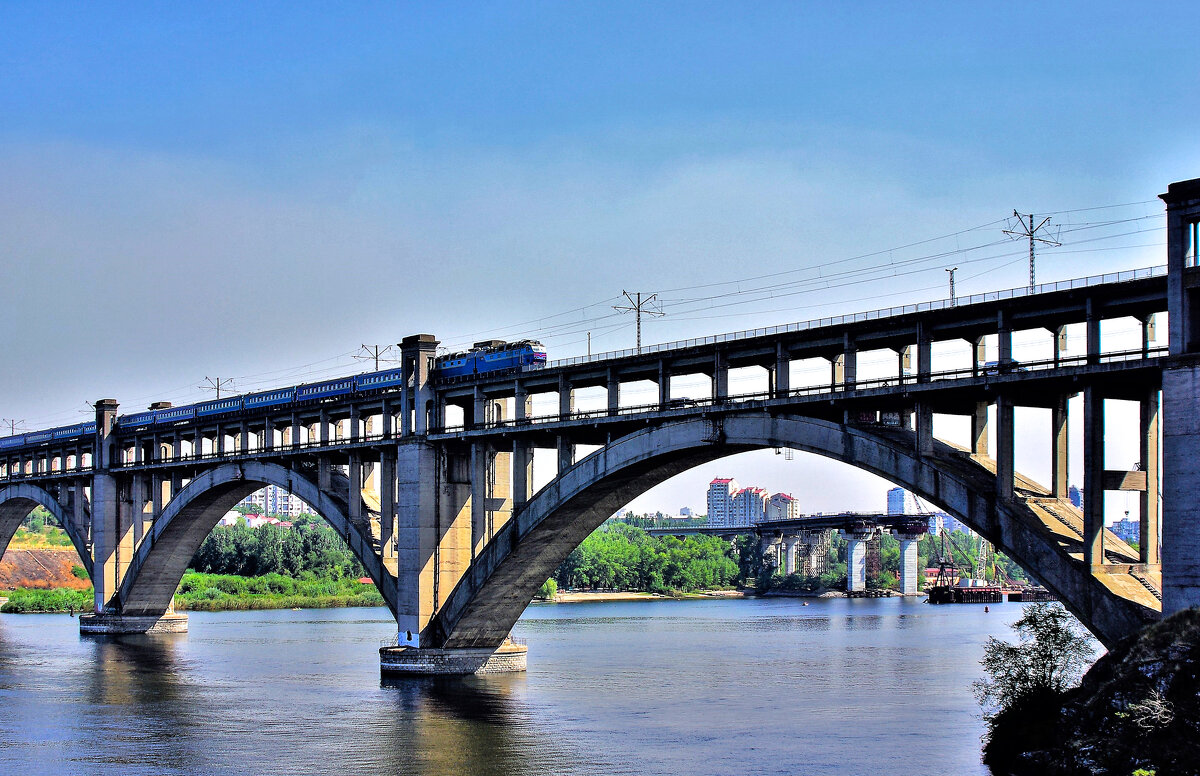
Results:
<point x="782" y="374"/>
<point x="614" y="392"/>
<point x="1005" y="447"/>
<point x="113" y="543"/>
<point x="1148" y="547"/>
<point x="664" y="384"/>
<point x="856" y="560"/>
<point x="908" y="563"/>
<point x="387" y="502"/>
<point x="1093" y="477"/>
<point x="1059" y="449"/>
<point x="788" y="561"/>
<point x="720" y="378"/>
<point x="923" y="425"/>
<point x="979" y="429"/>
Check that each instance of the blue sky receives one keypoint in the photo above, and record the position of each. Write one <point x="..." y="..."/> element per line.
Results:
<point x="255" y="190"/>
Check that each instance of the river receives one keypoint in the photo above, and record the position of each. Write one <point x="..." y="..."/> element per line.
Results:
<point x="763" y="686"/>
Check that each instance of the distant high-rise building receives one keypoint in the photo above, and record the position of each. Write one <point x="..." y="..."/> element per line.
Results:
<point x="720" y="502"/>
<point x="936" y="524"/>
<point x="900" y="502"/>
<point x="782" y="506"/>
<point x="1076" y="496"/>
<point x="1127" y="530"/>
<point x="749" y="506"/>
<point x="273" y="500"/>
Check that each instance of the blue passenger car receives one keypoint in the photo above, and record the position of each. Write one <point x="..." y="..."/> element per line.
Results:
<point x="12" y="442"/>
<point x="339" y="387"/>
<point x="173" y="414"/>
<point x="218" y="406"/>
<point x="136" y="420"/>
<point x="373" y="381"/>
<point x="36" y="437"/>
<point x="274" y="398"/>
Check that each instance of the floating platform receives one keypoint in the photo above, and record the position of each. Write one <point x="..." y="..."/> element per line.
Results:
<point x="943" y="594"/>
<point x="1031" y="595"/>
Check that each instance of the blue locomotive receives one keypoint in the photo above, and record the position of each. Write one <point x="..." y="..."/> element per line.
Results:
<point x="492" y="356"/>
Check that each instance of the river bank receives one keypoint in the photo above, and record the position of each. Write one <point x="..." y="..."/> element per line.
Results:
<point x="580" y="596"/>
<point x="216" y="593"/>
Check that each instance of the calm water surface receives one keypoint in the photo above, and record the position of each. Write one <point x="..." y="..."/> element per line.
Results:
<point x="648" y="687"/>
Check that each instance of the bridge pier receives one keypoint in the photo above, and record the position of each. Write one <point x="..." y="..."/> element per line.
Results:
<point x="908" y="563"/>
<point x="117" y="624"/>
<point x="856" y="559"/>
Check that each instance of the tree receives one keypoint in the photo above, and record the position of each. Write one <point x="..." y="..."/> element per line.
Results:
<point x="1048" y="658"/>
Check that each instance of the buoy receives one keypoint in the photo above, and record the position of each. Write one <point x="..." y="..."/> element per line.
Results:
<point x="986" y="609"/>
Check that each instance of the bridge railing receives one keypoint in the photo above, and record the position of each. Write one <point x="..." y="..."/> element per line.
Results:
<point x="870" y="315"/>
<point x="683" y="406"/>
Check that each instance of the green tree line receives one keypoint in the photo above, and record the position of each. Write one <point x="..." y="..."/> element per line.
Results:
<point x="309" y="548"/>
<point x="619" y="556"/>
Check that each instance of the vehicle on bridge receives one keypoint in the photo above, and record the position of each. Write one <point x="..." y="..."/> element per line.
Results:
<point x="492" y="356"/>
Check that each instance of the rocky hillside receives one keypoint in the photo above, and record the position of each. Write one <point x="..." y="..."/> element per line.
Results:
<point x="1137" y="711"/>
<point x="41" y="569"/>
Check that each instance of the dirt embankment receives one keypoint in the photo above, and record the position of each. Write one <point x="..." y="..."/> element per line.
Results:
<point x="42" y="569"/>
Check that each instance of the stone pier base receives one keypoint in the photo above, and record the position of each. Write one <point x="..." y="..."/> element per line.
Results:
<point x="409" y="661"/>
<point x="113" y="624"/>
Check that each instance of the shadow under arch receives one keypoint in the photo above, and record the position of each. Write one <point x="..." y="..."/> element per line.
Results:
<point x="158" y="565"/>
<point x="487" y="602"/>
<point x="17" y="501"/>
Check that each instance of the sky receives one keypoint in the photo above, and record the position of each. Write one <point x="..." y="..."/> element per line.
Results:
<point x="253" y="191"/>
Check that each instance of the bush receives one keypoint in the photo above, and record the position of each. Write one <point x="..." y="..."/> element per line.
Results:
<point x="1048" y="658"/>
<point x="548" y="590"/>
<point x="79" y="572"/>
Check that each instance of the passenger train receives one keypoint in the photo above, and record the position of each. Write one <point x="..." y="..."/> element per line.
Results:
<point x="485" y="357"/>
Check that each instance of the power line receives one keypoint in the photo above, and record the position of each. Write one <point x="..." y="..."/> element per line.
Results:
<point x="638" y="307"/>
<point x="12" y="424"/>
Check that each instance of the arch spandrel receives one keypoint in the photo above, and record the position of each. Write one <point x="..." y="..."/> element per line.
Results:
<point x="17" y="501"/>
<point x="487" y="602"/>
<point x="160" y="561"/>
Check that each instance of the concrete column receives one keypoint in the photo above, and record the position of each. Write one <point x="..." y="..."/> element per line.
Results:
<point x="924" y="353"/>
<point x="355" y="423"/>
<point x="856" y="560"/>
<point x="522" y="402"/>
<point x="478" y="409"/>
<point x="1180" y="402"/>
<point x="1093" y="331"/>
<point x="138" y="497"/>
<point x="566" y="398"/>
<point x="295" y="430"/>
<point x="566" y="452"/>
<point x="479" y="495"/>
<point x="268" y="434"/>
<point x="1004" y="355"/>
<point x="79" y="510"/>
<point x="1005" y="447"/>
<point x="156" y="496"/>
<point x="220" y="446"/>
<point x="908" y="563"/>
<point x="1093" y="477"/>
<point x="244" y="434"/>
<point x="1060" y="343"/>
<point x="783" y="371"/>
<point x="107" y="568"/>
<point x="354" y="471"/>
<point x="849" y="362"/>
<point x="788" y="562"/>
<point x="1148" y="328"/>
<point x="323" y="424"/>
<point x="418" y="353"/>
<point x="903" y="362"/>
<point x="387" y="501"/>
<point x="614" y="392"/>
<point x="522" y="474"/>
<point x="978" y="355"/>
<point x="664" y="383"/>
<point x="387" y="419"/>
<point x="1148" y="547"/>
<point x="979" y="429"/>
<point x="720" y="377"/>
<point x="923" y="422"/>
<point x="1059" y="449"/>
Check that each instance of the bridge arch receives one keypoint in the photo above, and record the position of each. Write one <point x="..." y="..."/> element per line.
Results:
<point x="17" y="501"/>
<point x="486" y="603"/>
<point x="157" y="567"/>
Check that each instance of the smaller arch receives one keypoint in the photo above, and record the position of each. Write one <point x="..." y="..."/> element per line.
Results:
<point x="18" y="500"/>
<point x="149" y="583"/>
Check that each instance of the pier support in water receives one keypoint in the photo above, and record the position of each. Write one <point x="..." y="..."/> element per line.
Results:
<point x="410" y="661"/>
<point x="856" y="559"/>
<point x="117" y="624"/>
<point x="908" y="562"/>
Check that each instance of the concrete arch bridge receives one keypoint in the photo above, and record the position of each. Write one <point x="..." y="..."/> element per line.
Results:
<point x="429" y="481"/>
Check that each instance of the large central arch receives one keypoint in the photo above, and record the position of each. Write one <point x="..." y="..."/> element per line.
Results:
<point x="17" y="501"/>
<point x="486" y="603"/>
<point x="158" y="565"/>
